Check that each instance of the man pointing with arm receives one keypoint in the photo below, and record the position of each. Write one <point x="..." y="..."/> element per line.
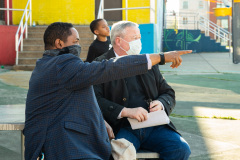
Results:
<point x="63" y="119"/>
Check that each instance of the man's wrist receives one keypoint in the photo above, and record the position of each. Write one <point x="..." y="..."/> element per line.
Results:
<point x="124" y="112"/>
<point x="155" y="59"/>
<point x="162" y="57"/>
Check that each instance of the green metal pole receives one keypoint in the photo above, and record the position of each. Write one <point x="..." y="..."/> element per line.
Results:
<point x="236" y="31"/>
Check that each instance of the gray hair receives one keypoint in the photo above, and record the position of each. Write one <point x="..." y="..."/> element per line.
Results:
<point x="118" y="29"/>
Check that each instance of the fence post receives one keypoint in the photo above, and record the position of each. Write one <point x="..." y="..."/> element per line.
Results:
<point x="215" y="32"/>
<point x="8" y="12"/>
<point x="219" y="34"/>
<point x="229" y="34"/>
<point x="16" y="47"/>
<point x="126" y="10"/>
<point x="103" y="9"/>
<point x="26" y="30"/>
<point x="152" y="11"/>
<point x="160" y="24"/>
<point x="21" y="36"/>
<point x="30" y="10"/>
<point x="194" y="21"/>
<point x="208" y="27"/>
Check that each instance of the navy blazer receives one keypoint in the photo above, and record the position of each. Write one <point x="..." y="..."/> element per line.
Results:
<point x="62" y="114"/>
<point x="113" y="96"/>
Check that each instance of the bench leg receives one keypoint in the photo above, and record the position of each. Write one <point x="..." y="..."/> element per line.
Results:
<point x="22" y="145"/>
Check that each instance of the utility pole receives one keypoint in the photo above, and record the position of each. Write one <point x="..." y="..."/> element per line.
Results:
<point x="236" y="30"/>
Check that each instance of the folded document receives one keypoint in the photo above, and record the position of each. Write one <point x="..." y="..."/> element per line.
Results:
<point x="154" y="119"/>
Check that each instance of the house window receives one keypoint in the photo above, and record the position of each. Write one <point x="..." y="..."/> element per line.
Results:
<point x="220" y="5"/>
<point x="185" y="4"/>
<point x="185" y="20"/>
<point x="224" y="24"/>
<point x="201" y="5"/>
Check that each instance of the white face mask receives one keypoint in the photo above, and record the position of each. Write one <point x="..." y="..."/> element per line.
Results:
<point x="135" y="47"/>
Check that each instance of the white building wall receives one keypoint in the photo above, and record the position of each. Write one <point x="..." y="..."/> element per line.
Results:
<point x="186" y="18"/>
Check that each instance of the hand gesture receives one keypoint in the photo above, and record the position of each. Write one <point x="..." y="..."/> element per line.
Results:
<point x="175" y="57"/>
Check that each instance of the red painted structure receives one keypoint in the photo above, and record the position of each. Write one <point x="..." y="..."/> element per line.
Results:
<point x="7" y="44"/>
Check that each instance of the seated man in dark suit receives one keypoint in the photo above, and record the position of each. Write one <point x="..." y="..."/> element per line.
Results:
<point x="63" y="119"/>
<point x="129" y="98"/>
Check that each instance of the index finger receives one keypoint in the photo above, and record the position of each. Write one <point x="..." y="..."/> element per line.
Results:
<point x="184" y="52"/>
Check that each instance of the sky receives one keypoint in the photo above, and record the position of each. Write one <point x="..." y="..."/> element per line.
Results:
<point x="172" y="5"/>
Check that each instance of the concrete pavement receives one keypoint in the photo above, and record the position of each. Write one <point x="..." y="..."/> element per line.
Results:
<point x="207" y="89"/>
<point x="207" y="85"/>
<point x="200" y="63"/>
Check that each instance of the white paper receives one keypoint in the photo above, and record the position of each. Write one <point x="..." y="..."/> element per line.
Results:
<point x="154" y="119"/>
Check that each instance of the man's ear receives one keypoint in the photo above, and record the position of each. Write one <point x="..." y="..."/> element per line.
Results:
<point x="96" y="32"/>
<point x="117" y="41"/>
<point x="59" y="44"/>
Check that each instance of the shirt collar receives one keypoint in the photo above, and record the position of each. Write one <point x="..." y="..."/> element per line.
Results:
<point x="115" y="54"/>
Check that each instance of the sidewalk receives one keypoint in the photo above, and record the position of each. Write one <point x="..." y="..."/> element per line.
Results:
<point x="200" y="63"/>
<point x="207" y="85"/>
<point x="207" y="88"/>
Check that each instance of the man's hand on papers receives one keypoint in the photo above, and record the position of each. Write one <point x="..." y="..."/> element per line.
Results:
<point x="138" y="113"/>
<point x="155" y="118"/>
<point x="155" y="106"/>
<point x="109" y="131"/>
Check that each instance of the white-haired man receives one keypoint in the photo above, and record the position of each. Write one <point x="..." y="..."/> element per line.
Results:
<point x="129" y="97"/>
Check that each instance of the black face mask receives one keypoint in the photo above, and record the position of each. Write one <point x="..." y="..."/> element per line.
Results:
<point x="74" y="49"/>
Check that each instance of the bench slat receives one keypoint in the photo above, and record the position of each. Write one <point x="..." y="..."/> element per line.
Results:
<point x="147" y="154"/>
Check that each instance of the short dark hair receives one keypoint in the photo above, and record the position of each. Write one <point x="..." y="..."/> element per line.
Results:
<point x="94" y="24"/>
<point x="57" y="30"/>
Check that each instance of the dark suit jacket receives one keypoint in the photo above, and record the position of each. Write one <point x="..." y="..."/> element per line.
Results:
<point x="113" y="96"/>
<point x="62" y="114"/>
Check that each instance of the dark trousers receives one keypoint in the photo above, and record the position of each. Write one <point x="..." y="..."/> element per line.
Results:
<point x="160" y="139"/>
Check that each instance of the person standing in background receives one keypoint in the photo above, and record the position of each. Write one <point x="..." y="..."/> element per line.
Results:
<point x="102" y="43"/>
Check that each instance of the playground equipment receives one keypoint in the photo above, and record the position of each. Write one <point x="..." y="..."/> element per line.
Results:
<point x="226" y="11"/>
<point x="222" y="12"/>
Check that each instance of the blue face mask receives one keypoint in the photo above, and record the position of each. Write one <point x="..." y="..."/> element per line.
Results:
<point x="74" y="49"/>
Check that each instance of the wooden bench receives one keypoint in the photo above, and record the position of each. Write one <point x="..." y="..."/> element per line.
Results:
<point x="12" y="119"/>
<point x="143" y="154"/>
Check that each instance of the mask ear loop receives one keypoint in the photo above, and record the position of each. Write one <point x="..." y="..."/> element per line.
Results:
<point x="123" y="49"/>
<point x="126" y="42"/>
